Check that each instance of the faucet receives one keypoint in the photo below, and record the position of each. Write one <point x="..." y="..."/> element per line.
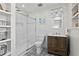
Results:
<point x="57" y="33"/>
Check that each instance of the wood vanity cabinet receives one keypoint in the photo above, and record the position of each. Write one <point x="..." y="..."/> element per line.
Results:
<point x="58" y="45"/>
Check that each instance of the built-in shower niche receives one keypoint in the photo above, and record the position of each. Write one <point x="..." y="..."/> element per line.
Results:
<point x="8" y="47"/>
<point x="5" y="29"/>
<point x="8" y="33"/>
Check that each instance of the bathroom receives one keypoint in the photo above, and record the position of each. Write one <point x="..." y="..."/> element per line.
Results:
<point x="28" y="28"/>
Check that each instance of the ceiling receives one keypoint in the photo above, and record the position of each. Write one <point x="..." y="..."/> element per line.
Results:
<point x="33" y="7"/>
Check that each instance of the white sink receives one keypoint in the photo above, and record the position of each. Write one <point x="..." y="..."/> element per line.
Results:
<point x="57" y="35"/>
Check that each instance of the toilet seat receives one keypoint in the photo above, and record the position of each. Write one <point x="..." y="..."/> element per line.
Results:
<point x="38" y="47"/>
<point x="38" y="44"/>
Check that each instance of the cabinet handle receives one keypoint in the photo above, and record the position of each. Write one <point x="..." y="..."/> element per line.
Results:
<point x="56" y="51"/>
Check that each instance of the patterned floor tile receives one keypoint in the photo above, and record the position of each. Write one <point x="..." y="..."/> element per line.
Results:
<point x="33" y="52"/>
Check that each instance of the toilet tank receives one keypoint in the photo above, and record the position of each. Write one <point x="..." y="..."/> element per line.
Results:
<point x="40" y="38"/>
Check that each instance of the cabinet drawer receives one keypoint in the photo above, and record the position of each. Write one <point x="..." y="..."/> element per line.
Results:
<point x="51" y="42"/>
<point x="63" y="52"/>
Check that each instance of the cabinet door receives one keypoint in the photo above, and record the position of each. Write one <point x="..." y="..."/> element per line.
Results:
<point x="57" y="45"/>
<point x="51" y="42"/>
<point x="61" y="43"/>
<point x="54" y="42"/>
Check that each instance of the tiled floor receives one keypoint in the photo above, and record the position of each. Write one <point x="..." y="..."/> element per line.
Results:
<point x="33" y="53"/>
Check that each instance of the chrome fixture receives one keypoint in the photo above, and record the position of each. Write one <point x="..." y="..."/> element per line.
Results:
<point x="40" y="4"/>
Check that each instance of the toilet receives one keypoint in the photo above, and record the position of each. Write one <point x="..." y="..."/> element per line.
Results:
<point x="38" y="44"/>
<point x="38" y="47"/>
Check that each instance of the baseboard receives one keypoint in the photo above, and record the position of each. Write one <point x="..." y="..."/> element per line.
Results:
<point x="27" y="50"/>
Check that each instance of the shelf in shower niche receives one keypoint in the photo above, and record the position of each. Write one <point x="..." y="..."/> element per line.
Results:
<point x="4" y="26"/>
<point x="3" y="20"/>
<point x="7" y="54"/>
<point x="5" y="12"/>
<point x="2" y="41"/>
<point x="75" y="15"/>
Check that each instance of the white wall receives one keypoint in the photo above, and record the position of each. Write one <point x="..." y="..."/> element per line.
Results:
<point x="25" y="31"/>
<point x="21" y="33"/>
<point x="74" y="42"/>
<point x="30" y="31"/>
<point x="74" y="37"/>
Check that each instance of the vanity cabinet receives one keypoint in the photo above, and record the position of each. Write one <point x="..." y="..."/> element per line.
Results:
<point x="58" y="45"/>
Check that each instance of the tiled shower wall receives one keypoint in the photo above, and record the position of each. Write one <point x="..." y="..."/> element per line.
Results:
<point x="25" y="32"/>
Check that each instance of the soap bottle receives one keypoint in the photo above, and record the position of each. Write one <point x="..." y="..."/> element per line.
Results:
<point x="66" y="33"/>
